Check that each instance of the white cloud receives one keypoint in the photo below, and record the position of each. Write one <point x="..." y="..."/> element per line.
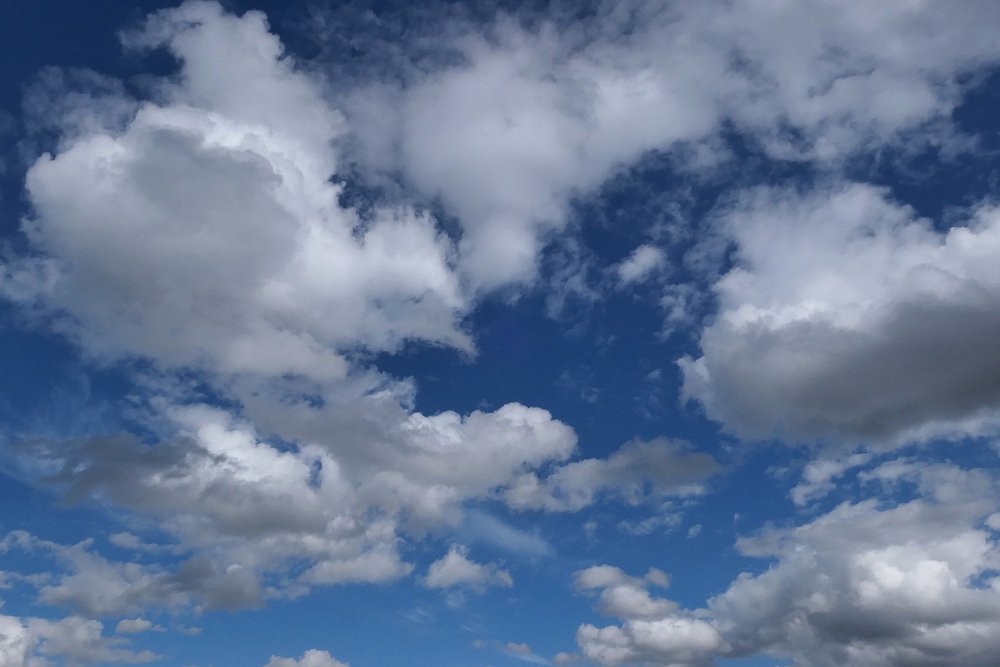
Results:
<point x="641" y="264"/>
<point x="818" y="476"/>
<point x="864" y="585"/>
<point x="96" y="587"/>
<point x="135" y="625"/>
<point x="847" y="316"/>
<point x="205" y="231"/>
<point x="455" y="569"/>
<point x="29" y="642"/>
<point x="529" y="118"/>
<point x="311" y="658"/>
<point x="625" y="596"/>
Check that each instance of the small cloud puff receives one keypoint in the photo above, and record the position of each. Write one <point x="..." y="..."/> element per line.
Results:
<point x="455" y="569"/>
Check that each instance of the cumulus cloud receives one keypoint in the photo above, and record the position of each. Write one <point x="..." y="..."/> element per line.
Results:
<point x="866" y="584"/>
<point x="28" y="642"/>
<point x="625" y="596"/>
<point x="205" y="231"/>
<point x="311" y="658"/>
<point x="848" y="316"/>
<point x="455" y="569"/>
<point x="555" y="108"/>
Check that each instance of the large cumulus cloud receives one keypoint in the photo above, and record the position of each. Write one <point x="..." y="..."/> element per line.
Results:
<point x="849" y="316"/>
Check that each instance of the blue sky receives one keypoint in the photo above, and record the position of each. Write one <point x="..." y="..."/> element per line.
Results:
<point x="624" y="333"/>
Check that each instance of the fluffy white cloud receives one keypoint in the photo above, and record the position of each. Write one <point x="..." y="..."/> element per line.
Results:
<point x="864" y="585"/>
<point x="529" y="118"/>
<point x="455" y="569"/>
<point x="205" y="230"/>
<point x="848" y="316"/>
<point x="29" y="642"/>
<point x="311" y="658"/>
<point x="625" y="596"/>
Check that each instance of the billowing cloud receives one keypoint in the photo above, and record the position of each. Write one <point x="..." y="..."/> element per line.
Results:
<point x="205" y="231"/>
<point x="864" y="585"/>
<point x="848" y="316"/>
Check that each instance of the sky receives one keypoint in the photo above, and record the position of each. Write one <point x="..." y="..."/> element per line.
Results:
<point x="471" y="335"/>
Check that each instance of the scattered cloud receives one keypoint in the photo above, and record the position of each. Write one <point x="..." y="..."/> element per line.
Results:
<point x="865" y="584"/>
<point x="455" y="569"/>
<point x="28" y="642"/>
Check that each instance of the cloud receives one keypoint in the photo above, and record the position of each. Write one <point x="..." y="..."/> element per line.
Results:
<point x="818" y="476"/>
<point x="204" y="230"/>
<point x="478" y="526"/>
<point x="513" y="649"/>
<point x="637" y="472"/>
<point x="247" y="508"/>
<point x="97" y="587"/>
<point x="511" y="122"/>
<point x="28" y="642"/>
<point x="625" y="596"/>
<point x="847" y="316"/>
<point x="455" y="569"/>
<point x="135" y="625"/>
<point x="311" y="658"/>
<point x="866" y="584"/>
<point x="638" y="266"/>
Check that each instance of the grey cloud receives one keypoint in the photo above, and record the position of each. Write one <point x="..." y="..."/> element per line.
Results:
<point x="848" y="317"/>
<point x="638" y="472"/>
<point x="97" y="587"/>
